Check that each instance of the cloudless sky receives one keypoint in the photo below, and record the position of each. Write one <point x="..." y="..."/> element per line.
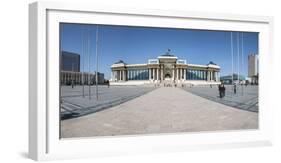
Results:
<point x="138" y="44"/>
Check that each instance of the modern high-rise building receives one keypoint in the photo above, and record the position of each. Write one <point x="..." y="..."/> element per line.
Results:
<point x="253" y="68"/>
<point x="71" y="74"/>
<point x="70" y="61"/>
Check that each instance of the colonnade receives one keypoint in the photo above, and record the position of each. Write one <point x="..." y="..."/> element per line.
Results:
<point x="157" y="74"/>
<point x="118" y="75"/>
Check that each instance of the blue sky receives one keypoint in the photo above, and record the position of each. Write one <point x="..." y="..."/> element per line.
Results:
<point x="138" y="44"/>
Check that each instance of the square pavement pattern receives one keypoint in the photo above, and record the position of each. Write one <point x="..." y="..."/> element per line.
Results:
<point x="159" y="110"/>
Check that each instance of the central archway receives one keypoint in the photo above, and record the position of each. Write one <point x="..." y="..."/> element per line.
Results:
<point x="167" y="76"/>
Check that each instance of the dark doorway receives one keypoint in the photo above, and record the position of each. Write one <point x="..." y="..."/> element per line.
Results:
<point x="167" y="76"/>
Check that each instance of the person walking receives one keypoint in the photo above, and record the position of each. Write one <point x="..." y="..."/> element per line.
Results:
<point x="234" y="88"/>
<point x="220" y="90"/>
<point x="108" y="84"/>
<point x="223" y="90"/>
<point x="72" y="84"/>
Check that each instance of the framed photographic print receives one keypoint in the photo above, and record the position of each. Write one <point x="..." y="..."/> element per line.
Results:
<point x="111" y="81"/>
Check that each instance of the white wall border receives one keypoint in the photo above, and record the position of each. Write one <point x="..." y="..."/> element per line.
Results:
<point x="43" y="134"/>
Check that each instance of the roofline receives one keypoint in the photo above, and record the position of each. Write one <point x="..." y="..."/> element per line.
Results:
<point x="142" y="64"/>
<point x="167" y="57"/>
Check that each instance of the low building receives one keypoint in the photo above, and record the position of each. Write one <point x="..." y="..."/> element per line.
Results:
<point x="67" y="77"/>
<point x="231" y="79"/>
<point x="166" y="67"/>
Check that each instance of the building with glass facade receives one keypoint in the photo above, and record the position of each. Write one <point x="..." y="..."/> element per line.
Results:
<point x="70" y="71"/>
<point x="166" y="67"/>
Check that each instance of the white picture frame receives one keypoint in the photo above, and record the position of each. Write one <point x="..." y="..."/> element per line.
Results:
<point x="44" y="141"/>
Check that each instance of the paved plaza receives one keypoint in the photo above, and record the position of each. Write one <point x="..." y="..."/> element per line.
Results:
<point x="161" y="110"/>
<point x="74" y="104"/>
<point x="246" y="97"/>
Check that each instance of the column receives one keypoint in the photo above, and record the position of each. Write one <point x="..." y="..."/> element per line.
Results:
<point x="184" y="74"/>
<point x="162" y="77"/>
<point x="215" y="76"/>
<point x="157" y="70"/>
<point x="149" y="74"/>
<point x="133" y="74"/>
<point x="173" y="73"/>
<point x="153" y="74"/>
<point x="208" y="75"/>
<point x="123" y="75"/>
<point x="217" y="79"/>
<point x="177" y="73"/>
<point x="181" y="74"/>
<point x="120" y="77"/>
<point x="203" y="75"/>
<point x="114" y="75"/>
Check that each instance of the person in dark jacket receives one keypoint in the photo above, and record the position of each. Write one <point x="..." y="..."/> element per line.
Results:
<point x="223" y="90"/>
<point x="220" y="90"/>
<point x="234" y="88"/>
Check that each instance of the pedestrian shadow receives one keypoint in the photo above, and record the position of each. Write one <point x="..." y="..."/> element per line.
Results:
<point x="69" y="116"/>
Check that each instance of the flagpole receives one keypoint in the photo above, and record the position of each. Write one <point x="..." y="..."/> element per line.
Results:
<point x="242" y="53"/>
<point x="89" y="62"/>
<point x="231" y="48"/>
<point x="238" y="54"/>
<point x="83" y="65"/>
<point x="97" y="30"/>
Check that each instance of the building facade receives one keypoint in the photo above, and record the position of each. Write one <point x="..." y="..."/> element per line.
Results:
<point x="78" y="78"/>
<point x="166" y="67"/>
<point x="70" y="71"/>
<point x="70" y="61"/>
<point x="253" y="68"/>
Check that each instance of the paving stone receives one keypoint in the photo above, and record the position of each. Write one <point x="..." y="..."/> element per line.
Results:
<point x="163" y="110"/>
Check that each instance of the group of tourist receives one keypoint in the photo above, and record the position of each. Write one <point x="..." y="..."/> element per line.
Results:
<point x="222" y="90"/>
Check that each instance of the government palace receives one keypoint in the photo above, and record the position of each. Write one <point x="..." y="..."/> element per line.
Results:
<point x="166" y="68"/>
